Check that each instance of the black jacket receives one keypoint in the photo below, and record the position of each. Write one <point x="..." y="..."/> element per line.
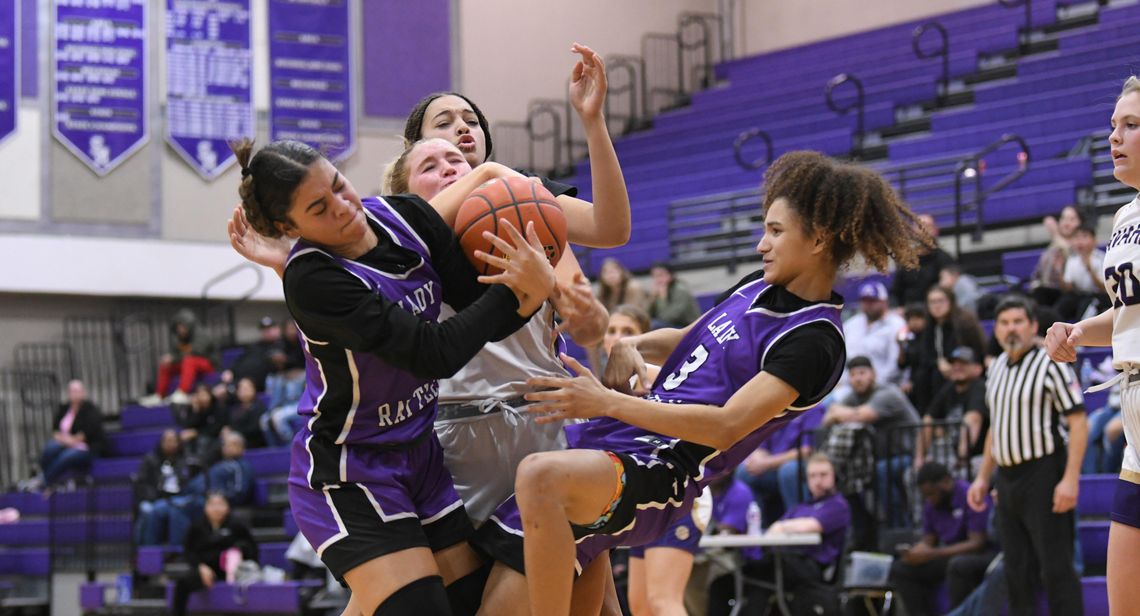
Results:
<point x="150" y="481"/>
<point x="88" y="421"/>
<point x="204" y="544"/>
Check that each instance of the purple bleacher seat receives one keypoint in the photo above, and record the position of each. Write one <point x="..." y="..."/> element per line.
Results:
<point x="288" y="523"/>
<point x="133" y="443"/>
<point x="135" y="417"/>
<point x="269" y="461"/>
<point x="1096" y="494"/>
<point x="284" y="598"/>
<point x="25" y="561"/>
<point x="1094" y="541"/>
<point x="1020" y="263"/>
<point x="149" y="560"/>
<point x="93" y="596"/>
<point x="114" y="470"/>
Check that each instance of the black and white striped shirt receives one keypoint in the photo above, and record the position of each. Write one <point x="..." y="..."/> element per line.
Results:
<point x="1028" y="401"/>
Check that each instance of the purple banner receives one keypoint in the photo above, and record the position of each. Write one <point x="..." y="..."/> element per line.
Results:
<point x="209" y="96"/>
<point x="100" y="77"/>
<point x="9" y="67"/>
<point x="311" y="75"/>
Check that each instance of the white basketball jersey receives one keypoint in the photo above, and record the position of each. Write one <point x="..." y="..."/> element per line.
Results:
<point x="1122" y="280"/>
<point x="500" y="370"/>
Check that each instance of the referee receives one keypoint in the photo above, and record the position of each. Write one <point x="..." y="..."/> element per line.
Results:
<point x="1035" y="405"/>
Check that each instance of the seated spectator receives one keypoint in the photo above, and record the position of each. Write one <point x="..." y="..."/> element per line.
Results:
<point x="887" y="410"/>
<point x="616" y="287"/>
<point x="1082" y="283"/>
<point x="200" y="423"/>
<point x="671" y="305"/>
<point x="964" y="286"/>
<point x="191" y="356"/>
<point x="232" y="475"/>
<point x="828" y="514"/>
<point x="1045" y="283"/>
<point x="256" y="363"/>
<point x="284" y="387"/>
<point x="773" y="470"/>
<point x="947" y="328"/>
<point x="953" y="540"/>
<point x="246" y="412"/>
<point x="873" y="332"/>
<point x="911" y="285"/>
<point x="206" y="544"/>
<point x="962" y="401"/>
<point x="159" y="492"/>
<point x="909" y="349"/>
<point x="77" y="438"/>
<point x="1105" y="451"/>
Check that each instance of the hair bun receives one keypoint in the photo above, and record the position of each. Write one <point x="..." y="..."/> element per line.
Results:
<point x="245" y="172"/>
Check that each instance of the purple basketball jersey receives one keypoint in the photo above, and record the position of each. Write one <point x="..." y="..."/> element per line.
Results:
<point x="357" y="398"/>
<point x="722" y="352"/>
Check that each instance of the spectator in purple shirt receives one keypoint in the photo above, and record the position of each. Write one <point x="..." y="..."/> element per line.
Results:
<point x="954" y="541"/>
<point x="804" y="568"/>
<point x="773" y="470"/>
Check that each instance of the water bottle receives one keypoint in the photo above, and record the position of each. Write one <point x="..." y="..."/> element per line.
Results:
<point x="753" y="518"/>
<point x="1086" y="373"/>
<point x="123" y="588"/>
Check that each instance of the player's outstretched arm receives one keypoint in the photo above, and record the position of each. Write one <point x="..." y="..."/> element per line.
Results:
<point x="720" y="427"/>
<point x="605" y="223"/>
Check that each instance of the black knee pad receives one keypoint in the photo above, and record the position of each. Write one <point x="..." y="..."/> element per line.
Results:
<point x="423" y="597"/>
<point x="466" y="593"/>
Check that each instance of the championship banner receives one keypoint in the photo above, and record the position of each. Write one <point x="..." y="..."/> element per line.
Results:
<point x="99" y="71"/>
<point x="9" y="67"/>
<point x="311" y="75"/>
<point x="209" y="90"/>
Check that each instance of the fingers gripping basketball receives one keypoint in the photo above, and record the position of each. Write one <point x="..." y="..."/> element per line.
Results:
<point x="518" y="200"/>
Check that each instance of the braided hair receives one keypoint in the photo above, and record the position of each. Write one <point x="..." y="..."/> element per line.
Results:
<point x="268" y="180"/>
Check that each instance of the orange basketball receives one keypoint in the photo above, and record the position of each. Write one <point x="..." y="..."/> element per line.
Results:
<point x="519" y="200"/>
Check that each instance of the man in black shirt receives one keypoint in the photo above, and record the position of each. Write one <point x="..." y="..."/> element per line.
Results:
<point x="912" y="285"/>
<point x="963" y="401"/>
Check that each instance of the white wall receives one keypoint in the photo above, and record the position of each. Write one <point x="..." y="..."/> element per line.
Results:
<point x="765" y="25"/>
<point x="21" y="156"/>
<point x="512" y="51"/>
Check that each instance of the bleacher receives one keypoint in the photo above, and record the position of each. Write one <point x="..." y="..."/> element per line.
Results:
<point x="1054" y="92"/>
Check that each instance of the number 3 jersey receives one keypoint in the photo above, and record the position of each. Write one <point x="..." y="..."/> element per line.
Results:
<point x="1121" y="272"/>
<point x="726" y="348"/>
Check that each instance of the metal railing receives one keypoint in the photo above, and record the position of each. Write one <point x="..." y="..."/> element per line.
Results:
<point x="1026" y="30"/>
<point x="972" y="168"/>
<point x="857" y="105"/>
<point x="942" y="52"/>
<point x="738" y="149"/>
<point x="28" y="403"/>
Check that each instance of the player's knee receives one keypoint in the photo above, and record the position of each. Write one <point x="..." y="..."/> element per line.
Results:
<point x="659" y="604"/>
<point x="419" y="598"/>
<point x="536" y="474"/>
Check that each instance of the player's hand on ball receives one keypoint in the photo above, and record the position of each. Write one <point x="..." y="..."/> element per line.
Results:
<point x="267" y="251"/>
<point x="623" y="364"/>
<point x="580" y="397"/>
<point x="525" y="268"/>
<point x="1061" y="341"/>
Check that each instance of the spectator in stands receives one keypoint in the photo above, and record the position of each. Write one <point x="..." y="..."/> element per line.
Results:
<point x="909" y="349"/>
<point x="1045" y="284"/>
<point x="625" y="320"/>
<point x="962" y="401"/>
<point x="947" y="328"/>
<point x="208" y="539"/>
<point x="911" y="285"/>
<point x="804" y="569"/>
<point x="246" y="413"/>
<point x="77" y="438"/>
<point x="885" y="408"/>
<point x="284" y="387"/>
<point x="1082" y="283"/>
<point x="873" y="332"/>
<point x="191" y="356"/>
<point x="294" y="354"/>
<point x="232" y="475"/>
<point x="773" y="470"/>
<point x="953" y="540"/>
<point x="672" y="305"/>
<point x="159" y="490"/>
<point x="257" y="362"/>
<point x="964" y="286"/>
<point x="616" y="286"/>
<point x="200" y="422"/>
<point x="1105" y="452"/>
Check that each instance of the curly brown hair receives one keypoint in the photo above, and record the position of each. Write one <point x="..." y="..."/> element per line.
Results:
<point x="268" y="180"/>
<point x="851" y="208"/>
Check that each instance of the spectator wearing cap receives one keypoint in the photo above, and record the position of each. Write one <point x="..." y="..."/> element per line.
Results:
<point x="885" y="408"/>
<point x="962" y="400"/>
<point x="954" y="543"/>
<point x="258" y="360"/>
<point x="873" y="332"/>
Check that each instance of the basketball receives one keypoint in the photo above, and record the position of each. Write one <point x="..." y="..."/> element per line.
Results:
<point x="518" y="200"/>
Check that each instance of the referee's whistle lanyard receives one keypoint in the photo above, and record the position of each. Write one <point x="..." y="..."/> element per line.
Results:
<point x="1124" y="376"/>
